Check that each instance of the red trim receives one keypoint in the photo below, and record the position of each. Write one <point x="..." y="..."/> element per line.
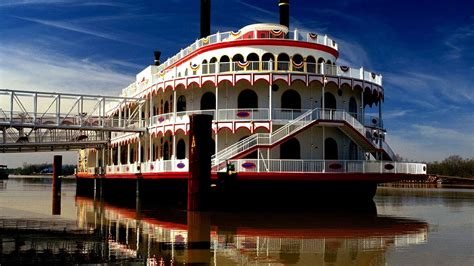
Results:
<point x="261" y="42"/>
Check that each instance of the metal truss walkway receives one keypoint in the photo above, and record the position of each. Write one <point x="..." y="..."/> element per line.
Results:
<point x="34" y="121"/>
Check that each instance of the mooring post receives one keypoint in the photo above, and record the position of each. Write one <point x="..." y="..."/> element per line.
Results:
<point x="199" y="238"/>
<point x="57" y="172"/>
<point x="199" y="179"/>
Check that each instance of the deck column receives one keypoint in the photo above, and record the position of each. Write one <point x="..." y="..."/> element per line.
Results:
<point x="57" y="172"/>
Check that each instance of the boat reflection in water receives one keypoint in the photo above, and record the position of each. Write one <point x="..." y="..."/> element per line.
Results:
<point x="164" y="236"/>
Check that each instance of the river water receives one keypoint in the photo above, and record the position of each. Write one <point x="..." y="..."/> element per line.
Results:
<point x="411" y="226"/>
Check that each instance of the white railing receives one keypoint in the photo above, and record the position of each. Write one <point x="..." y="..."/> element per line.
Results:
<point x="219" y="115"/>
<point x="263" y="138"/>
<point x="324" y="166"/>
<point x="288" y="129"/>
<point x="230" y="36"/>
<point x="158" y="166"/>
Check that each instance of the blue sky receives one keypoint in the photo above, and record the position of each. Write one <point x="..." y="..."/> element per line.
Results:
<point x="424" y="50"/>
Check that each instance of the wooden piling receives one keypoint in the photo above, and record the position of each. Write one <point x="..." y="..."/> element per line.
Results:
<point x="199" y="179"/>
<point x="57" y="172"/>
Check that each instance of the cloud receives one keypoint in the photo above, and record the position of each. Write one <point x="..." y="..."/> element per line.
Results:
<point x="49" y="71"/>
<point x="75" y="27"/>
<point x="460" y="41"/>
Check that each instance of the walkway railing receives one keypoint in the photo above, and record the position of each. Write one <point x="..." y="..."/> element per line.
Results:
<point x="289" y="66"/>
<point x="324" y="166"/>
<point x="274" y="165"/>
<point x="158" y="166"/>
<point x="32" y="109"/>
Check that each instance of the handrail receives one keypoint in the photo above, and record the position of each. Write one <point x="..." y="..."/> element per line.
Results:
<point x="290" y="128"/>
<point x="325" y="166"/>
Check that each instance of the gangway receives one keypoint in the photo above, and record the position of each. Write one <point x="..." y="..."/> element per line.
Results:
<point x="34" y="121"/>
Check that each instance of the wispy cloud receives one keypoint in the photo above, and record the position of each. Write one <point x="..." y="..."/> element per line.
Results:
<point x="460" y="41"/>
<point x="54" y="72"/>
<point x="77" y="28"/>
<point x="14" y="3"/>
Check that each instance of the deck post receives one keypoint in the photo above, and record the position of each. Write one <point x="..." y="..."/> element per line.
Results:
<point x="200" y="135"/>
<point x="57" y="172"/>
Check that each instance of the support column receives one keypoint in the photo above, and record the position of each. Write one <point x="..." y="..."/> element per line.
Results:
<point x="119" y="154"/>
<point x="270" y="105"/>
<point x="128" y="153"/>
<point x="57" y="172"/>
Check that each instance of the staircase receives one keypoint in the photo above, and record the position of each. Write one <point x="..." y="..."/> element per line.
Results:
<point x="356" y="131"/>
<point x="246" y="145"/>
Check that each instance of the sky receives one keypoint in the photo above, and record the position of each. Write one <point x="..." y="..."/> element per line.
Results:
<point x="423" y="49"/>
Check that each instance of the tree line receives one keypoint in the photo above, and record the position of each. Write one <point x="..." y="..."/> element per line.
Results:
<point x="453" y="165"/>
<point x="44" y="168"/>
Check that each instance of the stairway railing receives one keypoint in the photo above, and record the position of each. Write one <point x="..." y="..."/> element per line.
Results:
<point x="293" y="126"/>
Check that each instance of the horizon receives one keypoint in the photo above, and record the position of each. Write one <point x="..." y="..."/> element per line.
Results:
<point x="424" y="52"/>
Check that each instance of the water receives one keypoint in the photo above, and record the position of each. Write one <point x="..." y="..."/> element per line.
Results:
<point x="413" y="226"/>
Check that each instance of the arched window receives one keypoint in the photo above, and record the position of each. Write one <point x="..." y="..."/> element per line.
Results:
<point x="310" y="64"/>
<point x="180" y="149"/>
<point x="291" y="99"/>
<point x="329" y="69"/>
<point x="283" y="62"/>
<point x="330" y="149"/>
<point x="208" y="101"/>
<point x="212" y="65"/>
<point x="166" y="151"/>
<point x="166" y="109"/>
<point x="329" y="101"/>
<point x="268" y="61"/>
<point x="181" y="104"/>
<point x="352" y="151"/>
<point x="297" y="62"/>
<point x="204" y="66"/>
<point x="186" y="72"/>
<point x="253" y="61"/>
<point x="224" y="64"/>
<point x="247" y="99"/>
<point x="290" y="149"/>
<point x="353" y="107"/>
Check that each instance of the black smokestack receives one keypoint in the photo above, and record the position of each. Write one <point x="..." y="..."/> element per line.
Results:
<point x="284" y="12"/>
<point x="205" y="18"/>
<point x="157" y="58"/>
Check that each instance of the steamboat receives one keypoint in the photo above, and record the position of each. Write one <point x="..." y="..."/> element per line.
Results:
<point x="287" y="118"/>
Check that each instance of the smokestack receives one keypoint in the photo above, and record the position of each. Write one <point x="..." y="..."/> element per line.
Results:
<point x="284" y="12"/>
<point x="205" y="18"/>
<point x="157" y="58"/>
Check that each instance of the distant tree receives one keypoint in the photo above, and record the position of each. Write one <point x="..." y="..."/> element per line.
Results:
<point x="453" y="165"/>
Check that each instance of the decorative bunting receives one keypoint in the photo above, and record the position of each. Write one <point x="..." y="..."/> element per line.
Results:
<point x="344" y="68"/>
<point x="277" y="33"/>
<point x="194" y="67"/>
<point x="297" y="65"/>
<point x="313" y="36"/>
<point x="235" y="34"/>
<point x="205" y="40"/>
<point x="243" y="64"/>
